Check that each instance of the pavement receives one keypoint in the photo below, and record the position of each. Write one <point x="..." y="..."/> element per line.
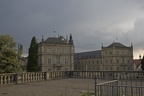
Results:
<point x="60" y="87"/>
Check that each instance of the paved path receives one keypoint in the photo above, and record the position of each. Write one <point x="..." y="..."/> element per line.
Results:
<point x="61" y="87"/>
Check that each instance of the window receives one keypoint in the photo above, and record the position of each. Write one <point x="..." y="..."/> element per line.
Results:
<point x="111" y="68"/>
<point x="128" y="68"/>
<point x="128" y="61"/>
<point x="57" y="50"/>
<point x="106" y="61"/>
<point x="128" y="52"/>
<point x="66" y="69"/>
<point x="123" y="68"/>
<point x="105" y="53"/>
<point x="49" y="61"/>
<point x="118" y="61"/>
<point x="58" y="60"/>
<point x="49" y="69"/>
<point x="93" y="62"/>
<point x="97" y="61"/>
<point x="66" y="61"/>
<point x="122" y="52"/>
<point x="111" y="61"/>
<point x="106" y="68"/>
<point x="117" y="68"/>
<point x="78" y="62"/>
<point x="110" y="52"/>
<point x="117" y="52"/>
<point x="65" y="50"/>
<point x="58" y="68"/>
<point x="49" y="50"/>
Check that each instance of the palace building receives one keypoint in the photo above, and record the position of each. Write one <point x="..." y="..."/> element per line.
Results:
<point x="115" y="57"/>
<point x="56" y="54"/>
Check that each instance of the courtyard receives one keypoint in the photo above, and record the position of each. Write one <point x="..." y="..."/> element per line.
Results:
<point x="59" y="87"/>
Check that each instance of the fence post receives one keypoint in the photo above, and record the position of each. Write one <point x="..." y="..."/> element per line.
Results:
<point x="95" y="84"/>
<point x="115" y="88"/>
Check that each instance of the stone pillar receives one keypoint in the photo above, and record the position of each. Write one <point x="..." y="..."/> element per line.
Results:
<point x="47" y="75"/>
<point x="17" y="78"/>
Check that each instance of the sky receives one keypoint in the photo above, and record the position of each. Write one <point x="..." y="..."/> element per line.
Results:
<point x="91" y="22"/>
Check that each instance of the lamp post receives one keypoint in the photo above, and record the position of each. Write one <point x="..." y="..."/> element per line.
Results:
<point x="95" y="84"/>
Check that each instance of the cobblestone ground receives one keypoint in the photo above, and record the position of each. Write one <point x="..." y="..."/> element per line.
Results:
<point x="61" y="87"/>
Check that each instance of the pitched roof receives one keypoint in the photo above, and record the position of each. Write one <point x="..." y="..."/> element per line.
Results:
<point x="90" y="54"/>
<point x="116" y="44"/>
<point x="54" y="40"/>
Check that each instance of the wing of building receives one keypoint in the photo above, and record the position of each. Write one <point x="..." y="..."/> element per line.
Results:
<point x="115" y="57"/>
<point x="56" y="54"/>
<point x="88" y="60"/>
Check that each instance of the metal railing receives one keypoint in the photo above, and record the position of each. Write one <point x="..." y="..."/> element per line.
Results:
<point x="120" y="88"/>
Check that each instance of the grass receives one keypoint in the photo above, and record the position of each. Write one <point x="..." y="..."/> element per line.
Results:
<point x="88" y="92"/>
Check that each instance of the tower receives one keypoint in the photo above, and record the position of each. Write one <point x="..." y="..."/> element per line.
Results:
<point x="70" y="39"/>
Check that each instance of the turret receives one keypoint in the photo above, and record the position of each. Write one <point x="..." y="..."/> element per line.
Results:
<point x="42" y="39"/>
<point x="70" y="39"/>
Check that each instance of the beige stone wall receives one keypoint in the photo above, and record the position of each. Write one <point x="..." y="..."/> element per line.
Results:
<point x="56" y="57"/>
<point x="117" y="59"/>
<point x="88" y="64"/>
<point x="113" y="59"/>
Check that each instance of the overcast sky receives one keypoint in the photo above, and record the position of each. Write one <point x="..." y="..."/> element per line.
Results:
<point x="91" y="22"/>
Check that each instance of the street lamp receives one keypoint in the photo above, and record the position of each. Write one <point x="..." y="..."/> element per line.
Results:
<point x="95" y="84"/>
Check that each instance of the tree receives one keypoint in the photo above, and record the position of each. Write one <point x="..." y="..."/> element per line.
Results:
<point x="32" y="64"/>
<point x="142" y="64"/>
<point x="8" y="56"/>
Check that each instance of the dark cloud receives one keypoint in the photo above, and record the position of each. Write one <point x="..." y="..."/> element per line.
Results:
<point x="136" y="34"/>
<point x="91" y="22"/>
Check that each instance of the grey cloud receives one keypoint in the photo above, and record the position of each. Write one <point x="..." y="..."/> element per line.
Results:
<point x="89" y="21"/>
<point x="136" y="35"/>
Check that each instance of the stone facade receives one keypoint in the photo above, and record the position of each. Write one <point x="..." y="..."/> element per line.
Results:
<point x="56" y="54"/>
<point x="88" y="61"/>
<point x="115" y="57"/>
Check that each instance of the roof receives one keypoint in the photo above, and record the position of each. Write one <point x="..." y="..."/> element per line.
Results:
<point x="54" y="40"/>
<point x="91" y="54"/>
<point x="116" y="44"/>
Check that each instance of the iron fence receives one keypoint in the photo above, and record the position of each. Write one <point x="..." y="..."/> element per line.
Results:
<point x="120" y="88"/>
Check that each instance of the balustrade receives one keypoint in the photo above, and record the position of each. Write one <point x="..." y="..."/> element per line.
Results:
<point x="122" y="75"/>
<point x="14" y="78"/>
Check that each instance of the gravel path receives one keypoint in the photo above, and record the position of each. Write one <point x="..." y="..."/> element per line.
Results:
<point x="61" y="87"/>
